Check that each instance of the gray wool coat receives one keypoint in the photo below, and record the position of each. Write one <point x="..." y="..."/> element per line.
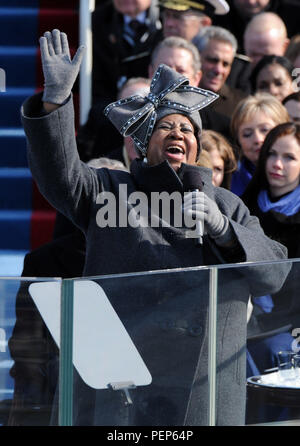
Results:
<point x="166" y="315"/>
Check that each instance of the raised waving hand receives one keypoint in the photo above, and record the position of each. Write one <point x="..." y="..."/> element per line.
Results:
<point x="60" y="71"/>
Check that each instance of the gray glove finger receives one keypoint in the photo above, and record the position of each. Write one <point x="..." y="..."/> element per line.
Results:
<point x="65" y="44"/>
<point x="48" y="36"/>
<point x="78" y="56"/>
<point x="44" y="49"/>
<point x="194" y="200"/>
<point x="194" y="207"/>
<point x="215" y="220"/>
<point x="56" y="41"/>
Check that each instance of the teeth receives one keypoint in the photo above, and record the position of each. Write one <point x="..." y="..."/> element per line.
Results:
<point x="175" y="149"/>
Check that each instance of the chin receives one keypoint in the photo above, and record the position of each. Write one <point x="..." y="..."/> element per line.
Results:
<point x="175" y="167"/>
<point x="213" y="87"/>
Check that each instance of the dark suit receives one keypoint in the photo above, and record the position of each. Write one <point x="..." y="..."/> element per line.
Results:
<point x="113" y="56"/>
<point x="240" y="72"/>
<point x="114" y="61"/>
<point x="228" y="99"/>
<point x="31" y="346"/>
<point x="213" y="120"/>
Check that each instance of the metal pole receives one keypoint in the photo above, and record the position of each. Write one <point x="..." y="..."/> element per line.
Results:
<point x="212" y="344"/>
<point x="85" y="36"/>
<point x="65" y="408"/>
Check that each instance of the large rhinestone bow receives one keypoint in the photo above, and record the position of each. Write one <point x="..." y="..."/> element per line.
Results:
<point x="135" y="116"/>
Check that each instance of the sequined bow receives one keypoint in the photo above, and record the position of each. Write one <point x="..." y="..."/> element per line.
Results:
<point x="135" y="116"/>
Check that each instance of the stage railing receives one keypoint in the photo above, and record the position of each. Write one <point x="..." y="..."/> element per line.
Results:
<point x="160" y="348"/>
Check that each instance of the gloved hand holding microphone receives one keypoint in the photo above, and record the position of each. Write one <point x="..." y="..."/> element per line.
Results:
<point x="197" y="206"/>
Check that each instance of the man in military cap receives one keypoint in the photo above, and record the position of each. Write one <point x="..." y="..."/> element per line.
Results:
<point x="185" y="18"/>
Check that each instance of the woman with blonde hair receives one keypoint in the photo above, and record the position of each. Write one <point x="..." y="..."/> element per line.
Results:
<point x="221" y="155"/>
<point x="251" y="121"/>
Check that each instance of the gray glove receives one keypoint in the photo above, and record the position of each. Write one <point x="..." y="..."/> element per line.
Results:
<point x="199" y="206"/>
<point x="60" y="72"/>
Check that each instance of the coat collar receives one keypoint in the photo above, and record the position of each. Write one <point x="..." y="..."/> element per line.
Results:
<point x="162" y="178"/>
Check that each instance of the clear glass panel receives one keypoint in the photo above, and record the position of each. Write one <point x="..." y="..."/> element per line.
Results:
<point x="29" y="357"/>
<point x="141" y="349"/>
<point x="273" y="394"/>
<point x="153" y="354"/>
<point x="165" y="348"/>
<point x="249" y="386"/>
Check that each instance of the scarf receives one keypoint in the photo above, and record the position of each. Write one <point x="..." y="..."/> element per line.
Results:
<point x="242" y="176"/>
<point x="288" y="205"/>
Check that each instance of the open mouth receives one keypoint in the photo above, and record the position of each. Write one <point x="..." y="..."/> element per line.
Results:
<point x="175" y="150"/>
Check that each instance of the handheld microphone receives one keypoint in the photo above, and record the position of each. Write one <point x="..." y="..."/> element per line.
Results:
<point x="192" y="183"/>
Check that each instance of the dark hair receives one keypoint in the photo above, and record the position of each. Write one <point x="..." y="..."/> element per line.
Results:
<point x="293" y="49"/>
<point x="292" y="97"/>
<point x="270" y="60"/>
<point x="259" y="179"/>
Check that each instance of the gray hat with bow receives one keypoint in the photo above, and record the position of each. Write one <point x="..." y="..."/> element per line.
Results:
<point x="170" y="93"/>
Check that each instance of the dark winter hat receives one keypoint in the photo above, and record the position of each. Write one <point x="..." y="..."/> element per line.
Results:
<point x="170" y="93"/>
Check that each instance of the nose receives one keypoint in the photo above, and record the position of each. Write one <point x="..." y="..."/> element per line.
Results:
<point x="273" y="90"/>
<point x="277" y="163"/>
<point x="169" y="20"/>
<point x="258" y="137"/>
<point x="176" y="133"/>
<point x="218" y="68"/>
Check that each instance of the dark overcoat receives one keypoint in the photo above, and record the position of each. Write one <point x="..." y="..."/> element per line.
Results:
<point x="113" y="56"/>
<point x="285" y="229"/>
